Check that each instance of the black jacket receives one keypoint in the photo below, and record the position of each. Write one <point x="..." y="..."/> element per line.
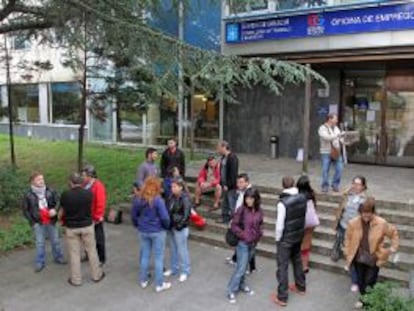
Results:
<point x="295" y="218"/>
<point x="232" y="171"/>
<point x="30" y="205"/>
<point x="180" y="211"/>
<point x="169" y="160"/>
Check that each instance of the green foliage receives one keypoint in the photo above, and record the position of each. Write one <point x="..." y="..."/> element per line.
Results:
<point x="17" y="234"/>
<point x="11" y="189"/>
<point x="383" y="297"/>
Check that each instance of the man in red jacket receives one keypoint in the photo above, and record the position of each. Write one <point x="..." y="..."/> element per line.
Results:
<point x="92" y="183"/>
<point x="209" y="181"/>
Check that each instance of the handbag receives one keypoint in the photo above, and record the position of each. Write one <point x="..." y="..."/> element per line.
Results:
<point x="198" y="221"/>
<point x="311" y="218"/>
<point x="363" y="256"/>
<point x="334" y="153"/>
<point x="231" y="238"/>
<point x="114" y="216"/>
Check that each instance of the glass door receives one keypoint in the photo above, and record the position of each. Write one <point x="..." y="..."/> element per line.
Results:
<point x="364" y="100"/>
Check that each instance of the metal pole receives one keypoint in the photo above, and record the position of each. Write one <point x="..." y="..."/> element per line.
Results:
<point x="180" y="73"/>
<point x="221" y="113"/>
<point x="306" y="122"/>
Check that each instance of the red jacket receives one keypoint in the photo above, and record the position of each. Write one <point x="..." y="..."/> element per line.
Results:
<point x="202" y="176"/>
<point x="98" y="200"/>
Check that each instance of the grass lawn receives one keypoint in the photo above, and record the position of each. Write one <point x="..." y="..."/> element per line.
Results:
<point x="116" y="167"/>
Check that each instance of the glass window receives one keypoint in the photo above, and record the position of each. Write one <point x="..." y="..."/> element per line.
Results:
<point x="65" y="102"/>
<point x="25" y="101"/>
<point x="21" y="42"/>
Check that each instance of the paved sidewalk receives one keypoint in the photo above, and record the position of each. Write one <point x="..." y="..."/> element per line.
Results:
<point x="21" y="289"/>
<point x="385" y="183"/>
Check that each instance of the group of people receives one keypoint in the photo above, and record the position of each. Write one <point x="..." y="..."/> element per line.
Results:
<point x="162" y="207"/>
<point x="81" y="211"/>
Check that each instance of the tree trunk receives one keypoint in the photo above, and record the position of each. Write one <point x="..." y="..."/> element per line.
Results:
<point x="118" y="123"/>
<point x="83" y="104"/>
<point x="9" y="106"/>
<point x="192" y="118"/>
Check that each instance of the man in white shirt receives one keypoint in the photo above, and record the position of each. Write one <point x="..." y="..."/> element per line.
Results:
<point x="330" y="138"/>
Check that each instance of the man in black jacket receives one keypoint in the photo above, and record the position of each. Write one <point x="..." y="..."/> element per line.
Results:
<point x="229" y="170"/>
<point x="40" y="209"/>
<point x="77" y="214"/>
<point x="172" y="157"/>
<point x="290" y="225"/>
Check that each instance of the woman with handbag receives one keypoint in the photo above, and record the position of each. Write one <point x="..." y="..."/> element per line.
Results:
<point x="311" y="219"/>
<point x="352" y="199"/>
<point x="364" y="245"/>
<point x="247" y="225"/>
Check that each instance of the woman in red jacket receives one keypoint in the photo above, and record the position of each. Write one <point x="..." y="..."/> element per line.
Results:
<point x="209" y="181"/>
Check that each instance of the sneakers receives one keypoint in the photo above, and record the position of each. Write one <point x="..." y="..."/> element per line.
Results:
<point x="359" y="305"/>
<point x="294" y="289"/>
<point x="183" y="278"/>
<point x="101" y="278"/>
<point x="144" y="284"/>
<point x="163" y="287"/>
<point x="39" y="268"/>
<point x="230" y="261"/>
<point x="276" y="300"/>
<point x="61" y="261"/>
<point x="167" y="273"/>
<point x="354" y="288"/>
<point x="247" y="290"/>
<point x="232" y="298"/>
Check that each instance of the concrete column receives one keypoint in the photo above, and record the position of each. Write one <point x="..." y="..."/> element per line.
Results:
<point x="43" y="103"/>
<point x="153" y="120"/>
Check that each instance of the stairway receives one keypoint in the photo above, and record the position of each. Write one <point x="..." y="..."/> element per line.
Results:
<point x="397" y="213"/>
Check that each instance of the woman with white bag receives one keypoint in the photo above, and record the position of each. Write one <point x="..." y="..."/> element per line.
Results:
<point x="311" y="219"/>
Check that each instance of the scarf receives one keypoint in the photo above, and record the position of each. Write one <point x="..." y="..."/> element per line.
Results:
<point x="39" y="191"/>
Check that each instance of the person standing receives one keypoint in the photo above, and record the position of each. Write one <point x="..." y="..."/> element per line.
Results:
<point x="172" y="157"/>
<point x="77" y="216"/>
<point x="229" y="170"/>
<point x="364" y="245"/>
<point x="40" y="209"/>
<point x="92" y="183"/>
<point x="330" y="150"/>
<point x="311" y="219"/>
<point x="348" y="210"/>
<point x="247" y="225"/>
<point x="150" y="217"/>
<point x="179" y="207"/>
<point x="209" y="181"/>
<point x="290" y="227"/>
<point x="148" y="168"/>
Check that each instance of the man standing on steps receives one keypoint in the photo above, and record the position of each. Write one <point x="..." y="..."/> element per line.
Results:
<point x="229" y="168"/>
<point x="92" y="183"/>
<point x="330" y="150"/>
<point x="290" y="225"/>
<point x="172" y="157"/>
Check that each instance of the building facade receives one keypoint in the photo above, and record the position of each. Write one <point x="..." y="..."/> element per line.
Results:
<point x="365" y="49"/>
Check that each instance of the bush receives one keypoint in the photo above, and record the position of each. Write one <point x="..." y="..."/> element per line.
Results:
<point x="17" y="234"/>
<point x="11" y="190"/>
<point x="384" y="297"/>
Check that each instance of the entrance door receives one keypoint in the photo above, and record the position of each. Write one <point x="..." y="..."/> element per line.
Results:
<point x="379" y="105"/>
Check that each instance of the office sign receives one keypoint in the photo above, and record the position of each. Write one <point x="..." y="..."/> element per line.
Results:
<point x="371" y="19"/>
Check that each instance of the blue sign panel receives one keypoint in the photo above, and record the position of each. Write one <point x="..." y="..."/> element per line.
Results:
<point x="380" y="18"/>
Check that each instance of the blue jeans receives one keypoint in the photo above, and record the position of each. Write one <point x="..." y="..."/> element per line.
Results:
<point x="244" y="254"/>
<point x="40" y="232"/>
<point x="152" y="242"/>
<point x="179" y="255"/>
<point x="228" y="204"/>
<point x="326" y="164"/>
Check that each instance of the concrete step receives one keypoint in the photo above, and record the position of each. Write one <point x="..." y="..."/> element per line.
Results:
<point x="271" y="195"/>
<point x="319" y="246"/>
<point x="316" y="261"/>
